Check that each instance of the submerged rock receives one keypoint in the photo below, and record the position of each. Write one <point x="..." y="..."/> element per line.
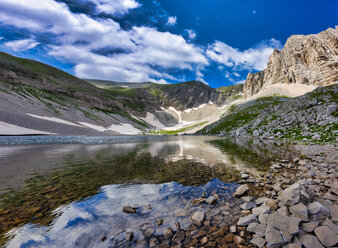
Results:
<point x="129" y="210"/>
<point x="198" y="217"/>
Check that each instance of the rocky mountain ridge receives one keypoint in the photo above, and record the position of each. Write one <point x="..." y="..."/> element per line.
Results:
<point x="305" y="59"/>
<point x="37" y="96"/>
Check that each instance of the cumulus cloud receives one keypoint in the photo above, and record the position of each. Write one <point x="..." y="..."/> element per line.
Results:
<point x="21" y="45"/>
<point x="172" y="20"/>
<point x="191" y="33"/>
<point x="144" y="53"/>
<point x="255" y="58"/>
<point x="115" y="6"/>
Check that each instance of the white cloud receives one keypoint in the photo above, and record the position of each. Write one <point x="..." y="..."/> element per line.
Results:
<point x="22" y="45"/>
<point x="191" y="34"/>
<point x="251" y="59"/>
<point x="148" y="53"/>
<point x="240" y="82"/>
<point x="115" y="6"/>
<point x="172" y="20"/>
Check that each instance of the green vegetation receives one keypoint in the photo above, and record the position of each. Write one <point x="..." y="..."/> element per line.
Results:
<point x="240" y="115"/>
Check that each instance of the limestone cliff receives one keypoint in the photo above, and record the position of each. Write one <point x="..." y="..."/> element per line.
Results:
<point x="310" y="60"/>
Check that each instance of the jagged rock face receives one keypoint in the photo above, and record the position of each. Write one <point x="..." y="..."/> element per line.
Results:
<point x="311" y="60"/>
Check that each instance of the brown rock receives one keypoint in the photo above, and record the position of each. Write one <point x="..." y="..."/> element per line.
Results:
<point x="239" y="240"/>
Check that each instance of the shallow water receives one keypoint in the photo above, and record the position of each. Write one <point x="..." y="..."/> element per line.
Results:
<point x="66" y="191"/>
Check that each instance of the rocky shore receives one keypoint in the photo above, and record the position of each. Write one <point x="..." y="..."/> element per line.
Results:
<point x="294" y="204"/>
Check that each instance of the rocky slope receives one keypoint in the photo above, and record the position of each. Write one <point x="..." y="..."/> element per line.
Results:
<point x="311" y="117"/>
<point x="309" y="60"/>
<point x="39" y="99"/>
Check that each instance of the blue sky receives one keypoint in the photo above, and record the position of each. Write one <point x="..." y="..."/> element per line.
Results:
<point x="165" y="41"/>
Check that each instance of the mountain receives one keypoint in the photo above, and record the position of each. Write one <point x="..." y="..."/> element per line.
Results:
<point x="304" y="59"/>
<point x="36" y="98"/>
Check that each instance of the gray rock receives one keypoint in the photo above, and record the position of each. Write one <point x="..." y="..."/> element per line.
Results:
<point x="129" y="210"/>
<point x="330" y="225"/>
<point x="247" y="198"/>
<point x="247" y="205"/>
<point x="263" y="218"/>
<point x="198" y="217"/>
<point x="179" y="236"/>
<point x="261" y="210"/>
<point x="262" y="200"/>
<point x="300" y="211"/>
<point x="293" y="194"/>
<point x="273" y="237"/>
<point x="211" y="200"/>
<point x="310" y="241"/>
<point x="256" y="228"/>
<point x="288" y="226"/>
<point x="326" y="236"/>
<point x="181" y="212"/>
<point x="310" y="226"/>
<point x="246" y="220"/>
<point x="315" y="207"/>
<point x="259" y="242"/>
<point x="241" y="190"/>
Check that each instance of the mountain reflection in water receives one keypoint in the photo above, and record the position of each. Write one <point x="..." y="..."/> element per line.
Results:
<point x="80" y="189"/>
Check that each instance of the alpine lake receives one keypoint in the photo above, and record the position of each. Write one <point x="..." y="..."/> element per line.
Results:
<point x="69" y="191"/>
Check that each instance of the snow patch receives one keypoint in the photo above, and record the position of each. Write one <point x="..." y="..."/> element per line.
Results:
<point x="54" y="119"/>
<point x="123" y="128"/>
<point x="10" y="129"/>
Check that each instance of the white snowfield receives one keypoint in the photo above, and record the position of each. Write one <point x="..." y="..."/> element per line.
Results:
<point x="54" y="119"/>
<point x="9" y="129"/>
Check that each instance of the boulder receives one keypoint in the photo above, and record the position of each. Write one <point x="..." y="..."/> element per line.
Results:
<point x="310" y="241"/>
<point x="294" y="194"/>
<point x="326" y="236"/>
<point x="310" y="226"/>
<point x="288" y="226"/>
<point x="273" y="237"/>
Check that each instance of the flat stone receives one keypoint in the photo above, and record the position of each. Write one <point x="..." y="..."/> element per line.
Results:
<point x="310" y="241"/>
<point x="273" y="237"/>
<point x="241" y="190"/>
<point x="262" y="200"/>
<point x="261" y="210"/>
<point x="326" y="236"/>
<point x="258" y="241"/>
<point x="181" y="212"/>
<point x="310" y="226"/>
<point x="247" y="205"/>
<point x="300" y="211"/>
<point x="256" y="228"/>
<point x="246" y="220"/>
<point x="198" y="217"/>
<point x="129" y="210"/>
<point x="211" y="200"/>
